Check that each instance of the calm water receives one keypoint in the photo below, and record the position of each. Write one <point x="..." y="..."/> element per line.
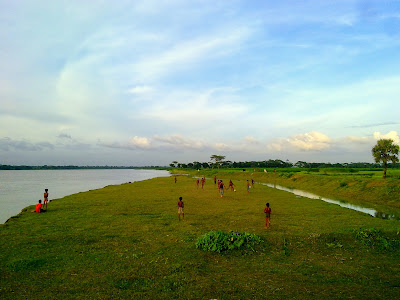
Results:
<point x="19" y="189"/>
<point x="366" y="210"/>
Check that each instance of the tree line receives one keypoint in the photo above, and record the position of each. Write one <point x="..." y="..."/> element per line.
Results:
<point x="385" y="151"/>
<point x="272" y="163"/>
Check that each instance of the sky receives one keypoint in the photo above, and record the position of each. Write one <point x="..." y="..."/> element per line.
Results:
<point x="141" y="83"/>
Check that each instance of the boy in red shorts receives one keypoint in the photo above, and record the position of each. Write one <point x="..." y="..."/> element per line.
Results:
<point x="267" y="211"/>
<point x="45" y="197"/>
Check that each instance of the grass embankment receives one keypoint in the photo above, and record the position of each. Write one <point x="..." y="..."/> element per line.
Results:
<point x="126" y="242"/>
<point x="364" y="187"/>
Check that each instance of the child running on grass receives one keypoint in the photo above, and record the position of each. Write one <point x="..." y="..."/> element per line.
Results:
<point x="267" y="211"/>
<point x="231" y="185"/>
<point x="180" y="209"/>
<point x="248" y="186"/>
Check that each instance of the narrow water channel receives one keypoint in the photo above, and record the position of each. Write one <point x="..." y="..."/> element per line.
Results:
<point x="369" y="211"/>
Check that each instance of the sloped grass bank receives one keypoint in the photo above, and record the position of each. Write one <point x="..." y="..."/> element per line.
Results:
<point x="126" y="242"/>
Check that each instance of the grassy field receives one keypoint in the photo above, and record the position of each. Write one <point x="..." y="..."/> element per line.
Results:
<point x="364" y="187"/>
<point x="126" y="242"/>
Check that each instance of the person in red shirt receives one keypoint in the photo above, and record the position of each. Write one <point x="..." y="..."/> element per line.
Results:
<point x="39" y="207"/>
<point x="175" y="179"/>
<point x="203" y="180"/>
<point x="197" y="183"/>
<point x="248" y="186"/>
<point x="180" y="209"/>
<point x="267" y="211"/>
<point x="215" y="179"/>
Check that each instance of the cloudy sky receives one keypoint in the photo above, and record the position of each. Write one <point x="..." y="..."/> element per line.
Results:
<point x="148" y="82"/>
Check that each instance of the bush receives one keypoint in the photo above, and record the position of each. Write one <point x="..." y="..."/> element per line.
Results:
<point x="220" y="241"/>
<point x="286" y="174"/>
<point x="343" y="184"/>
<point x="375" y="238"/>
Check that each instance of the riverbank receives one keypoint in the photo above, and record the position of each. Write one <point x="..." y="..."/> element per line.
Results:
<point x="20" y="188"/>
<point x="126" y="241"/>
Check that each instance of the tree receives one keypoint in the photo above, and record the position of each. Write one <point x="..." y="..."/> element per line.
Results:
<point x="218" y="159"/>
<point x="384" y="151"/>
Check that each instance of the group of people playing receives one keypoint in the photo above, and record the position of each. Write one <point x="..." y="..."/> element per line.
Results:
<point x="221" y="186"/>
<point x="202" y="180"/>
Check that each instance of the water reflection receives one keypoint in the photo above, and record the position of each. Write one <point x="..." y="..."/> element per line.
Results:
<point x="370" y="211"/>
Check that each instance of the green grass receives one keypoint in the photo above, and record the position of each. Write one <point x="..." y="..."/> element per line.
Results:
<point x="126" y="242"/>
<point x="365" y="187"/>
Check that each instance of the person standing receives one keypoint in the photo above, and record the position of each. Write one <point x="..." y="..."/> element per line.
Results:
<point x="221" y="188"/>
<point x="267" y="211"/>
<point x="45" y="197"/>
<point x="248" y="186"/>
<point x="180" y="209"/>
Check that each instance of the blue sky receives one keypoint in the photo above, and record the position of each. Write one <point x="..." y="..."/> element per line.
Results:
<point x="150" y="82"/>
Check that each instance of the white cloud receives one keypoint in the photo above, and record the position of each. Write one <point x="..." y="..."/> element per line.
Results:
<point x="251" y="140"/>
<point x="140" y="142"/>
<point x="140" y="89"/>
<point x="186" y="53"/>
<point x="390" y="135"/>
<point x="222" y="147"/>
<point x="178" y="142"/>
<point x="311" y="141"/>
<point x="358" y="140"/>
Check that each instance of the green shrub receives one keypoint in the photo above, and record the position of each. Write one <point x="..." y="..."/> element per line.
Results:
<point x="220" y="241"/>
<point x="286" y="174"/>
<point x="343" y="184"/>
<point x="375" y="238"/>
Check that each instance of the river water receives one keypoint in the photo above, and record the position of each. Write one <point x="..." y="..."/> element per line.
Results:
<point x="366" y="210"/>
<point x="19" y="188"/>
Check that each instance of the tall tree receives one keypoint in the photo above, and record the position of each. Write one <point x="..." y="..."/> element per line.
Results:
<point x="384" y="151"/>
<point x="217" y="159"/>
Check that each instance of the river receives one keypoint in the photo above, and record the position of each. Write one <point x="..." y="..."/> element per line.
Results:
<point x="370" y="211"/>
<point x="19" y="188"/>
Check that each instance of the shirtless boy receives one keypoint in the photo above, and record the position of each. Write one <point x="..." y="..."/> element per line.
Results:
<point x="180" y="209"/>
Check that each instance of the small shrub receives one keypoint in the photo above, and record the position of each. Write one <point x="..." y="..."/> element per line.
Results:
<point x="343" y="184"/>
<point x="334" y="245"/>
<point x="220" y="241"/>
<point x="377" y="239"/>
<point x="286" y="174"/>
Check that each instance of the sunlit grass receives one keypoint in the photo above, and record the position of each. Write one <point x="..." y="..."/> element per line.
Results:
<point x="126" y="242"/>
